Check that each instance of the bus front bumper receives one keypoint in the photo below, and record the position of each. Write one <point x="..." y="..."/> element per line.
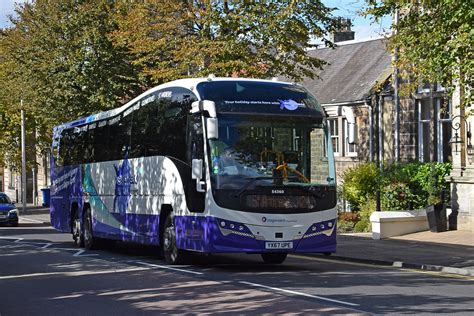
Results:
<point x="214" y="235"/>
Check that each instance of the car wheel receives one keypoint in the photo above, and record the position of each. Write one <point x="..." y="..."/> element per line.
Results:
<point x="274" y="257"/>
<point x="172" y="254"/>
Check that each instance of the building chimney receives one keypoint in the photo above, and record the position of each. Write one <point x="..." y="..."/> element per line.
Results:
<point x="343" y="31"/>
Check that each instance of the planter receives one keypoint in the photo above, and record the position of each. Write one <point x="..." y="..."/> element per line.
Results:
<point x="437" y="218"/>
<point x="397" y="223"/>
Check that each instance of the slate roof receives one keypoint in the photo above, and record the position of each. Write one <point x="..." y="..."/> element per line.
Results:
<point x="352" y="71"/>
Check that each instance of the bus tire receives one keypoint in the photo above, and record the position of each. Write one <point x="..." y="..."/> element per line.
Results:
<point x="172" y="254"/>
<point x="77" y="233"/>
<point x="274" y="257"/>
<point x="90" y="242"/>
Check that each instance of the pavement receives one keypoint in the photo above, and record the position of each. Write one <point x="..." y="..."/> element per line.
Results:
<point x="449" y="252"/>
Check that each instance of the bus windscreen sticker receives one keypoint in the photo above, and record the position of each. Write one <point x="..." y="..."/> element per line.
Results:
<point x="290" y="105"/>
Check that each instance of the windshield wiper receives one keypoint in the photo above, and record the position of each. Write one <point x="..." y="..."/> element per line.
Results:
<point x="252" y="180"/>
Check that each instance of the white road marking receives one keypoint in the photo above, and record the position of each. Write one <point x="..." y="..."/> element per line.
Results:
<point x="80" y="254"/>
<point x="72" y="274"/>
<point x="169" y="268"/>
<point x="31" y="220"/>
<point x="11" y="239"/>
<point x="47" y="245"/>
<point x="66" y="296"/>
<point x="10" y="246"/>
<point x="298" y="293"/>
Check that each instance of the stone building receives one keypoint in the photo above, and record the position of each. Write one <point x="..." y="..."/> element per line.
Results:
<point x="462" y="176"/>
<point x="357" y="87"/>
<point x="349" y="88"/>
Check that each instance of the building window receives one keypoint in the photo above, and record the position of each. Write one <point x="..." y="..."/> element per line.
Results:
<point x="424" y="130"/>
<point x="424" y="88"/>
<point x="349" y="148"/>
<point x="334" y="130"/>
<point x="443" y="109"/>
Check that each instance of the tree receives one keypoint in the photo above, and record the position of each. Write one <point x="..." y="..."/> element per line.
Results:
<point x="175" y="39"/>
<point x="435" y="40"/>
<point x="59" y="59"/>
<point x="71" y="58"/>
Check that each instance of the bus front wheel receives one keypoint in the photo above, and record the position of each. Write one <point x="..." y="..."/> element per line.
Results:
<point x="172" y="254"/>
<point x="274" y="257"/>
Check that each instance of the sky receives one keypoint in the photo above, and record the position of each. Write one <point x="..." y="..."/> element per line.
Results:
<point x="363" y="28"/>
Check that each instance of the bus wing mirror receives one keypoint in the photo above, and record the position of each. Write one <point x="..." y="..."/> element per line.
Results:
<point x="197" y="175"/>
<point x="212" y="128"/>
<point x="197" y="169"/>
<point x="204" y="106"/>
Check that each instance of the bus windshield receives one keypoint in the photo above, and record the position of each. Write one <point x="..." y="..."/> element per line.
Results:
<point x="269" y="152"/>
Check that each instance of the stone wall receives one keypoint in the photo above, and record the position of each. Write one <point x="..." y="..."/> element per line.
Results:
<point x="462" y="181"/>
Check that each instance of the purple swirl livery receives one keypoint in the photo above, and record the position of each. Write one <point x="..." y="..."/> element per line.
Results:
<point x="123" y="182"/>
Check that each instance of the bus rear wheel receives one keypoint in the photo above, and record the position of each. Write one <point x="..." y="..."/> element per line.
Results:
<point x="90" y="242"/>
<point x="172" y="254"/>
<point x="77" y="234"/>
<point x="274" y="257"/>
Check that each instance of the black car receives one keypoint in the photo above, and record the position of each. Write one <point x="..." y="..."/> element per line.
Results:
<point x="8" y="211"/>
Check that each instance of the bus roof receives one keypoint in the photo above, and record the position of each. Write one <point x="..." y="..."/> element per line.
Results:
<point x="188" y="83"/>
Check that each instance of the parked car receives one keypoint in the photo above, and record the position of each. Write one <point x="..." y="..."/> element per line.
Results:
<point x="8" y="211"/>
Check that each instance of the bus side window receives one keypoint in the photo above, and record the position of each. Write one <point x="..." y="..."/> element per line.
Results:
<point x="56" y="155"/>
<point x="120" y="134"/>
<point x="100" y="142"/>
<point x="174" y="144"/>
<point x="77" y="151"/>
<point x="144" y="133"/>
<point x="89" y="151"/>
<point x="65" y="146"/>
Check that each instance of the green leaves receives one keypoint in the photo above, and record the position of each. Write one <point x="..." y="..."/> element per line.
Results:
<point x="71" y="58"/>
<point x="176" y="39"/>
<point x="59" y="59"/>
<point x="435" y="41"/>
<point x="404" y="186"/>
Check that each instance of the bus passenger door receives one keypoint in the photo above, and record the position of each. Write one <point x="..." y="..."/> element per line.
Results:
<point x="195" y="150"/>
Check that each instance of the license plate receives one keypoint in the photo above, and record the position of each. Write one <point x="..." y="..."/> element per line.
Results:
<point x="279" y="245"/>
<point x="3" y="216"/>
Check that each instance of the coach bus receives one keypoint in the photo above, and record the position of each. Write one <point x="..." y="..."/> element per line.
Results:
<point x="209" y="165"/>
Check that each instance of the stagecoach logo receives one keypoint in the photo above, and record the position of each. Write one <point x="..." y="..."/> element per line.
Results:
<point x="290" y="105"/>
<point x="278" y="220"/>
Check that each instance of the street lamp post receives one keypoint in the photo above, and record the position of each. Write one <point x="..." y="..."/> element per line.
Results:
<point x="23" y="159"/>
